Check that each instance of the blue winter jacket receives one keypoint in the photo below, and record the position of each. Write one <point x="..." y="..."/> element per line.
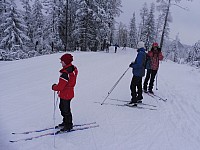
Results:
<point x="139" y="64"/>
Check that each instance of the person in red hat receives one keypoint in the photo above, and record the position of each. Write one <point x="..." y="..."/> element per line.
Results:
<point x="152" y="65"/>
<point x="65" y="89"/>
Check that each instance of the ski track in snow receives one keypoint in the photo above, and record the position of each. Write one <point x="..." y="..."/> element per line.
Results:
<point x="27" y="104"/>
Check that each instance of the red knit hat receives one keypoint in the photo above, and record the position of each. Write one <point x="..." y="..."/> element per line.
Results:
<point x="67" y="58"/>
<point x="155" y="45"/>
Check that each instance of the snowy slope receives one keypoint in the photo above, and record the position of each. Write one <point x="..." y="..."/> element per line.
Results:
<point x="27" y="102"/>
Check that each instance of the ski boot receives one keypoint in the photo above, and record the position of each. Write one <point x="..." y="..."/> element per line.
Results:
<point x="66" y="128"/>
<point x="60" y="125"/>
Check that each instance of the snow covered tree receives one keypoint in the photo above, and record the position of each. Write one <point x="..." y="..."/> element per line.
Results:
<point x="122" y="34"/>
<point x="95" y="22"/>
<point x="84" y="25"/>
<point x="194" y="55"/>
<point x="4" y="7"/>
<point x="175" y="49"/>
<point x="15" y="29"/>
<point x="144" y="12"/>
<point x="27" y="16"/>
<point x="133" y="33"/>
<point x="67" y="27"/>
<point x="54" y="10"/>
<point x="159" y="27"/>
<point x="149" y="29"/>
<point x="112" y="10"/>
<point x="38" y="26"/>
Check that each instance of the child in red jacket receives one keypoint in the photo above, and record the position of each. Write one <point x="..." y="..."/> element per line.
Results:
<point x="155" y="56"/>
<point x="65" y="88"/>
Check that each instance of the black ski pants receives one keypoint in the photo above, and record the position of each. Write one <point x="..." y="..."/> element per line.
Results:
<point x="151" y="74"/>
<point x="136" y="83"/>
<point x="66" y="112"/>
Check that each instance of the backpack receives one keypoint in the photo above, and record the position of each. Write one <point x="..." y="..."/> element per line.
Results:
<point x="147" y="62"/>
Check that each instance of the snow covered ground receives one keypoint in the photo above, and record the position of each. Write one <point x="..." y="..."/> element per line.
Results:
<point x="27" y="103"/>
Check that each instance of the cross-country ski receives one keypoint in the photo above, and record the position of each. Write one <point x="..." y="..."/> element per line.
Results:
<point x="50" y="128"/>
<point x="56" y="133"/>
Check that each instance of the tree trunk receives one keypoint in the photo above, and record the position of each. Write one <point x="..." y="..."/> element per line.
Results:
<point x="67" y="3"/>
<point x="165" y="23"/>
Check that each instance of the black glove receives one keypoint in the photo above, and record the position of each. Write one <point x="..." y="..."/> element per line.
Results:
<point x="52" y="86"/>
<point x="131" y="64"/>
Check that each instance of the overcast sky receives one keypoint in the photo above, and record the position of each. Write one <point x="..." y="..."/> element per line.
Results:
<point x="186" y="23"/>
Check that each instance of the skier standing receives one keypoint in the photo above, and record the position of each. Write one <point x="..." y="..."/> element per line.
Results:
<point x="107" y="47"/>
<point x="116" y="45"/>
<point x="65" y="88"/>
<point x="138" y="72"/>
<point x="124" y="48"/>
<point x="155" y="55"/>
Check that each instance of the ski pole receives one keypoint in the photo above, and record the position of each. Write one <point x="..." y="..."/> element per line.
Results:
<point x="157" y="81"/>
<point x="114" y="86"/>
<point x="54" y="117"/>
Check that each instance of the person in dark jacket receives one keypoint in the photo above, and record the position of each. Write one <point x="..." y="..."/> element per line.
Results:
<point x="116" y="46"/>
<point x="65" y="88"/>
<point x="152" y="65"/>
<point x="138" y="72"/>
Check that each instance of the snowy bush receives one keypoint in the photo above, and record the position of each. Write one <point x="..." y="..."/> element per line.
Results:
<point x="196" y="63"/>
<point x="33" y="53"/>
<point x="2" y="54"/>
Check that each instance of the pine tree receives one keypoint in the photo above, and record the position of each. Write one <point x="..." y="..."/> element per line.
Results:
<point x="38" y="26"/>
<point x="122" y="34"/>
<point x="144" y="16"/>
<point x="52" y="39"/>
<point x="27" y="16"/>
<point x="175" y="50"/>
<point x="4" y="7"/>
<point x="133" y="33"/>
<point x="15" y="29"/>
<point x="83" y="20"/>
<point x="149" y="29"/>
<point x="195" y="54"/>
<point x="112" y="10"/>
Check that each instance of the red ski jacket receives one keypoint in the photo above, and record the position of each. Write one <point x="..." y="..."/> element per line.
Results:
<point x="155" y="58"/>
<point x="67" y="81"/>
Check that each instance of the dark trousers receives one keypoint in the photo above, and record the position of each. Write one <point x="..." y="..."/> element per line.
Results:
<point x="151" y="74"/>
<point x="136" y="83"/>
<point x="66" y="112"/>
<point x="115" y="49"/>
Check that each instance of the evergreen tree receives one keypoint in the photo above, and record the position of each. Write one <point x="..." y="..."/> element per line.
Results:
<point x="149" y="29"/>
<point x="175" y="49"/>
<point x="27" y="16"/>
<point x="84" y="25"/>
<point x="144" y="16"/>
<point x="195" y="54"/>
<point x="38" y="26"/>
<point x="112" y="10"/>
<point x="15" y="29"/>
<point x="52" y="39"/>
<point x="159" y="25"/>
<point x="133" y="33"/>
<point x="122" y="34"/>
<point x="66" y="28"/>
<point x="4" y="7"/>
